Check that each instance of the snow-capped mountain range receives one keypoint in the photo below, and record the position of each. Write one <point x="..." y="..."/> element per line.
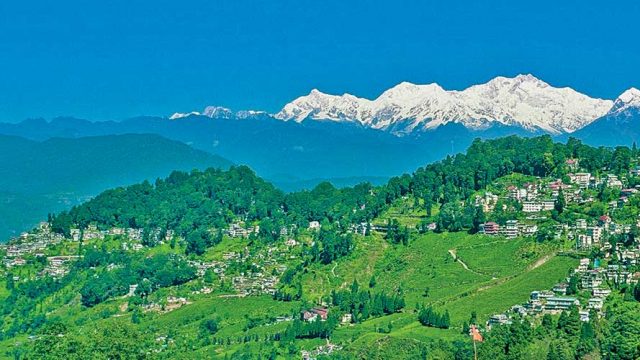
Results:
<point x="522" y="101"/>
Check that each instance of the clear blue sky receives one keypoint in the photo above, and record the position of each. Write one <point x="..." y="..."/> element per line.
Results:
<point x="117" y="59"/>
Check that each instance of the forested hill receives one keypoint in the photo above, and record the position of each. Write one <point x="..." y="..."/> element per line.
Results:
<point x="194" y="202"/>
<point x="94" y="163"/>
<point x="40" y="177"/>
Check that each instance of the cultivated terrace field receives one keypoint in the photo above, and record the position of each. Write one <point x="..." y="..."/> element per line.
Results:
<point x="518" y="249"/>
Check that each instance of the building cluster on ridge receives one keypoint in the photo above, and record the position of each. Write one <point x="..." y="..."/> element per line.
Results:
<point x="536" y="199"/>
<point x="591" y="284"/>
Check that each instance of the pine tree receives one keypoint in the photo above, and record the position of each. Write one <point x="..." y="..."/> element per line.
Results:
<point x="405" y="236"/>
<point x="10" y="284"/>
<point x="473" y="320"/>
<point x="465" y="328"/>
<point x="569" y="322"/>
<point x="587" y="342"/>
<point x="479" y="218"/>
<point x="135" y="317"/>
<point x="446" y="320"/>
<point x="573" y="285"/>
<point x="354" y="287"/>
<point x="636" y="292"/>
<point x="428" y="204"/>
<point x="560" y="202"/>
<point x="547" y="322"/>
<point x="209" y="276"/>
<point x="560" y="350"/>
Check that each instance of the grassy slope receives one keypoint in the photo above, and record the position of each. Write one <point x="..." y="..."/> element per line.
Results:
<point x="499" y="276"/>
<point x="500" y="273"/>
<point x="501" y="295"/>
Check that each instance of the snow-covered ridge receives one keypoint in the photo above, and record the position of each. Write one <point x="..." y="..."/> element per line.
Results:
<point x="183" y="115"/>
<point x="219" y="112"/>
<point x="523" y="101"/>
<point x="627" y="100"/>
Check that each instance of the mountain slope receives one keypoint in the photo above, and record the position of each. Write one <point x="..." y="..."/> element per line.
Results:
<point x="620" y="126"/>
<point x="39" y="177"/>
<point x="522" y="101"/>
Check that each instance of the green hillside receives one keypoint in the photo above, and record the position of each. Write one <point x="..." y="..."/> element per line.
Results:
<point x="221" y="264"/>
<point x="425" y="263"/>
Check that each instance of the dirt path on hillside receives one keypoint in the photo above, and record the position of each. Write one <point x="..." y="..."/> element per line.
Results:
<point x="540" y="261"/>
<point x="543" y="260"/>
<point x="452" y="252"/>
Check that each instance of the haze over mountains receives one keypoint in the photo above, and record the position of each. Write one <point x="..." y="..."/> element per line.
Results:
<point x="284" y="152"/>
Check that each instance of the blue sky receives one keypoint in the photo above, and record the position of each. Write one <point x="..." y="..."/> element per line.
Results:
<point x="118" y="59"/>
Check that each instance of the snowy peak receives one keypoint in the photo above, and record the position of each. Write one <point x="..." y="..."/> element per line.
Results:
<point x="627" y="100"/>
<point x="178" y="115"/>
<point x="248" y="114"/>
<point x="319" y="105"/>
<point x="219" y="112"/>
<point x="407" y="94"/>
<point x="502" y="84"/>
<point x="533" y="104"/>
<point x="630" y="95"/>
<point x="519" y="81"/>
<point x="523" y="100"/>
<point x="406" y="90"/>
